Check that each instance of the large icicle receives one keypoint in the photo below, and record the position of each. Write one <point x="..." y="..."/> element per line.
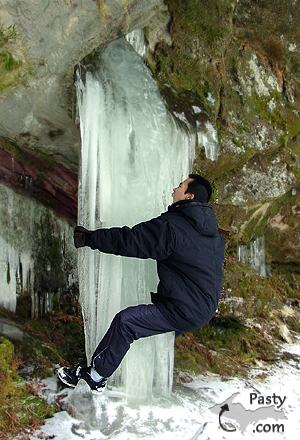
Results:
<point x="254" y="255"/>
<point x="132" y="156"/>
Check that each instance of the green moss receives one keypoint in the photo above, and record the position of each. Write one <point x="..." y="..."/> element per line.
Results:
<point x="22" y="155"/>
<point x="6" y="355"/>
<point x="259" y="301"/>
<point x="294" y="127"/>
<point x="293" y="323"/>
<point x="280" y="244"/>
<point x="7" y="34"/>
<point x="212" y="44"/>
<point x="225" y="346"/>
<point x="209" y="24"/>
<point x="12" y="70"/>
<point x="288" y="277"/>
<point x="259" y="106"/>
<point x="57" y="339"/>
<point x="199" y="31"/>
<point x="19" y="409"/>
<point x="215" y="192"/>
<point x="39" y="355"/>
<point x="7" y="62"/>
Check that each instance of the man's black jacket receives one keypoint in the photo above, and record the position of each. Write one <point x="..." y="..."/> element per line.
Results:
<point x="189" y="251"/>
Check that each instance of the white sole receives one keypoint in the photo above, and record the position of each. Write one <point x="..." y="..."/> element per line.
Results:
<point x="96" y="393"/>
<point x="62" y="379"/>
<point x="60" y="370"/>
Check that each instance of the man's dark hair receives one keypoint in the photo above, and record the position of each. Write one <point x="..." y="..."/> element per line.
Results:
<point x="200" y="187"/>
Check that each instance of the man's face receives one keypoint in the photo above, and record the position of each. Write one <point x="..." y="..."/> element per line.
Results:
<point x="179" y="192"/>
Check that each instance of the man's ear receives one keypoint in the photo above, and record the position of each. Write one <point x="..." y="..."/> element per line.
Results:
<point x="190" y="196"/>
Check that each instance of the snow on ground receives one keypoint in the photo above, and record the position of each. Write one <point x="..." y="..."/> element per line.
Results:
<point x="191" y="413"/>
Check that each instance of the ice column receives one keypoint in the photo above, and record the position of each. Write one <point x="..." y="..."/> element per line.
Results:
<point x="132" y="156"/>
<point x="208" y="138"/>
<point x="137" y="41"/>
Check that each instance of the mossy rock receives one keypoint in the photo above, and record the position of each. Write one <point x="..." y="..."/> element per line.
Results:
<point x="240" y="333"/>
<point x="56" y="339"/>
<point x="6" y="355"/>
<point x="260" y="294"/>
<point x="12" y="71"/>
<point x="293" y="323"/>
<point x="225" y="346"/>
<point x="25" y="154"/>
<point x="212" y="45"/>
<point x="20" y="409"/>
<point x="38" y="356"/>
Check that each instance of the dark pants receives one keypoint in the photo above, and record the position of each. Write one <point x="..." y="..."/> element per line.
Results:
<point x="128" y="325"/>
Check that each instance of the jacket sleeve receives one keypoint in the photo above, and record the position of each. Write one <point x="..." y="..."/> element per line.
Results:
<point x="151" y="239"/>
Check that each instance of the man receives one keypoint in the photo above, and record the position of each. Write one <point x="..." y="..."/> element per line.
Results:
<point x="189" y="251"/>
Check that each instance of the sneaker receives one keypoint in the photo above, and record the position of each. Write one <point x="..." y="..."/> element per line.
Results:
<point x="71" y="377"/>
<point x="94" y="385"/>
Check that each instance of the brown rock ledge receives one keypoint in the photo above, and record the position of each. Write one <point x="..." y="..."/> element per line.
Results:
<point x="39" y="176"/>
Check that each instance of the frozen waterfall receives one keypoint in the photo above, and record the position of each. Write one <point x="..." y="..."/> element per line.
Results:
<point x="208" y="138"/>
<point x="132" y="156"/>
<point x="254" y="255"/>
<point x="137" y="40"/>
<point x="37" y="256"/>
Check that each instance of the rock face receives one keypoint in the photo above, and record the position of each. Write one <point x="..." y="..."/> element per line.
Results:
<point x="40" y="44"/>
<point x="51" y="183"/>
<point x="38" y="259"/>
<point x="228" y="70"/>
<point x="231" y="74"/>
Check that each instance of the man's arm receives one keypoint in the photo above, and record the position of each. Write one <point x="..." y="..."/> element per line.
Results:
<point x="151" y="239"/>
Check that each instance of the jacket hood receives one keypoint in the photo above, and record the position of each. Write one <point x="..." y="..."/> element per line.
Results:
<point x="200" y="215"/>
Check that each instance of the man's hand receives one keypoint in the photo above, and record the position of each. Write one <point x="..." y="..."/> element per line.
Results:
<point x="80" y="236"/>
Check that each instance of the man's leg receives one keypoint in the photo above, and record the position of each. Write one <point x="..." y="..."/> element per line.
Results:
<point x="128" y="325"/>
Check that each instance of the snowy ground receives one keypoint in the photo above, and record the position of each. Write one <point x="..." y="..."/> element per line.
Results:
<point x="193" y="411"/>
